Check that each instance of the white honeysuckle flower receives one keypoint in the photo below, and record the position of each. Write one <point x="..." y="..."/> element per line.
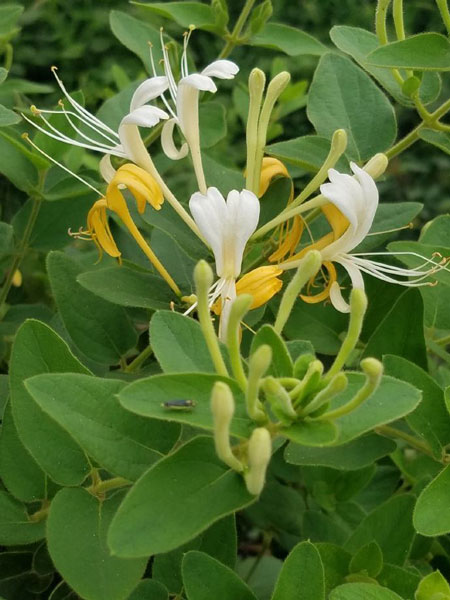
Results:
<point x="124" y="143"/>
<point x="227" y="227"/>
<point x="184" y="109"/>
<point x="356" y="200"/>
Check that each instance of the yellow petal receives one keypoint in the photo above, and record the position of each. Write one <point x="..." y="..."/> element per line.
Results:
<point x="17" y="278"/>
<point x="289" y="242"/>
<point x="99" y="229"/>
<point x="323" y="295"/>
<point x="261" y="283"/>
<point x="271" y="167"/>
<point x="141" y="184"/>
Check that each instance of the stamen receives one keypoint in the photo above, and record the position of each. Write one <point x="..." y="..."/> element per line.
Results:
<point x="168" y="68"/>
<point x="26" y="137"/>
<point x="67" y="114"/>
<point x="408" y="226"/>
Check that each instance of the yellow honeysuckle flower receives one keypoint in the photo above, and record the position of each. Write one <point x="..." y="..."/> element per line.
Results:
<point x="270" y="168"/>
<point x="98" y="229"/>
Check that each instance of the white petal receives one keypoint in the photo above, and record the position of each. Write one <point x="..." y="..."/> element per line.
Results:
<point x="107" y="171"/>
<point x="168" y="144"/>
<point x="243" y="216"/>
<point x="198" y="81"/>
<point x="228" y="296"/>
<point x="148" y="90"/>
<point x="145" y="116"/>
<point x="337" y="299"/>
<point x="223" y="69"/>
<point x="357" y="283"/>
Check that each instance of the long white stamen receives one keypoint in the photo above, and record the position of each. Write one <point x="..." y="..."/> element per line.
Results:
<point x="168" y="68"/>
<point x="51" y="159"/>
<point x="80" y="108"/>
<point x="68" y="113"/>
<point x="73" y="142"/>
<point x="367" y="267"/>
<point x="392" y="268"/>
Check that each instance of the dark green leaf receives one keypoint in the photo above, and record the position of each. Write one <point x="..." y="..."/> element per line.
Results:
<point x="302" y="575"/>
<point x="184" y="13"/>
<point x="290" y="40"/>
<point x="15" y="526"/>
<point x="308" y="152"/>
<point x="421" y="52"/>
<point x="432" y="511"/>
<point x="135" y="34"/>
<point x="281" y="361"/>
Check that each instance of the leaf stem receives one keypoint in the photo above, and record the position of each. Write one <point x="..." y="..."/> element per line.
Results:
<point x="234" y="36"/>
<point x="393" y="432"/>
<point x="445" y="13"/>
<point x="140" y="358"/>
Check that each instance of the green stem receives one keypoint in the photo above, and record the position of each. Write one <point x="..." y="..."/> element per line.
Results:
<point x="436" y="349"/>
<point x="234" y="36"/>
<point x="380" y="21"/>
<point x="140" y="358"/>
<point x="9" y="53"/>
<point x="21" y="251"/>
<point x="445" y="13"/>
<point x="397" y="11"/>
<point x="393" y="432"/>
<point x="239" y="309"/>
<point x="108" y="484"/>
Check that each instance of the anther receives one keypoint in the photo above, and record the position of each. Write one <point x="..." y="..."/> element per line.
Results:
<point x="35" y="110"/>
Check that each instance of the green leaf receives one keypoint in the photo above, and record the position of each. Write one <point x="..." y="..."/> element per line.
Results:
<point x="99" y="329"/>
<point x="15" y="526"/>
<point x="149" y="589"/>
<point x="356" y="454"/>
<point x="202" y="490"/>
<point x="146" y="397"/>
<point x="20" y="473"/>
<point x="289" y="40"/>
<point x="281" y="360"/>
<point x="358" y="43"/>
<point x="311" y="433"/>
<point x="8" y="117"/>
<point x="432" y="511"/>
<point x="431" y="584"/>
<point x="399" y="580"/>
<point x="184" y="13"/>
<point x="87" y="407"/>
<point x="430" y="419"/>
<point x="15" y="165"/>
<point x="76" y="533"/>
<point x="440" y="139"/>
<point x="128" y="287"/>
<point x="421" y="52"/>
<point x="135" y="35"/>
<point x="338" y="90"/>
<point x="335" y="562"/>
<point x="307" y="152"/>
<point x="37" y="349"/>
<point x="302" y="575"/>
<point x="3" y="74"/>
<point x="368" y="559"/>
<point x="205" y="577"/>
<point x="363" y="591"/>
<point x="6" y="238"/>
<point x="178" y="343"/>
<point x="400" y="332"/>
<point x="9" y="15"/>
<point x="260" y="573"/>
<point x="213" y="124"/>
<point x="224" y="178"/>
<point x="394" y="542"/>
<point x="219" y="541"/>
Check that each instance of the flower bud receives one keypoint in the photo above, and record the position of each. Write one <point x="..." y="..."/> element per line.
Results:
<point x="203" y="277"/>
<point x="259" y="453"/>
<point x="222" y="408"/>
<point x="377" y="165"/>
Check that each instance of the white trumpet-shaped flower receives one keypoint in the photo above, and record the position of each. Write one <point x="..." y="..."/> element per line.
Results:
<point x="98" y="136"/>
<point x="227" y="227"/>
<point x="354" y="202"/>
<point x="184" y="109"/>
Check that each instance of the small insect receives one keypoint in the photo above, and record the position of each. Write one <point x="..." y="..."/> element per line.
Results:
<point x="178" y="404"/>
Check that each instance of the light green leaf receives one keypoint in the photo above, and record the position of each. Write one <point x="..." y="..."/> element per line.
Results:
<point x="178" y="343"/>
<point x="394" y="542"/>
<point x="290" y="40"/>
<point x="8" y="117"/>
<point x="15" y="165"/>
<point x="9" y="15"/>
<point x="184" y="13"/>
<point x="368" y="560"/>
<point x="76" y="533"/>
<point x="432" y="511"/>
<point x="202" y="490"/>
<point x="363" y="591"/>
<point x="37" y="349"/>
<point x="308" y="152"/>
<point x="421" y="52"/>
<point x="20" y="473"/>
<point x="338" y="92"/>
<point x="311" y="433"/>
<point x="146" y="397"/>
<point x="440" y="139"/>
<point x="205" y="577"/>
<point x="128" y="287"/>
<point x="431" y="586"/>
<point x="358" y="43"/>
<point x="3" y="74"/>
<point x="99" y="329"/>
<point x="15" y="525"/>
<point x="281" y="360"/>
<point x="302" y="575"/>
<point x="335" y="562"/>
<point x="135" y="34"/>
<point x="87" y="407"/>
<point x="356" y="454"/>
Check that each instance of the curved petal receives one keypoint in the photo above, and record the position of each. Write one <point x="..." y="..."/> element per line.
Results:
<point x="198" y="81"/>
<point x="144" y="116"/>
<point x="168" y="144"/>
<point x="107" y="171"/>
<point x="357" y="282"/>
<point x="148" y="90"/>
<point x="223" y="69"/>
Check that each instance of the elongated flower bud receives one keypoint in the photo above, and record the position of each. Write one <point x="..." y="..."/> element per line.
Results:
<point x="259" y="453"/>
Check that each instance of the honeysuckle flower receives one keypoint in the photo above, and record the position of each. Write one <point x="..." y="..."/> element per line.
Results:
<point x="184" y="109"/>
<point x="226" y="225"/>
<point x="352" y="208"/>
<point x="123" y="143"/>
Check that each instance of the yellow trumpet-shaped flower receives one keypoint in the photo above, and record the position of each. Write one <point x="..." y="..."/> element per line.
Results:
<point x="141" y="184"/>
<point x="289" y="235"/>
<point x="98" y="229"/>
